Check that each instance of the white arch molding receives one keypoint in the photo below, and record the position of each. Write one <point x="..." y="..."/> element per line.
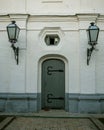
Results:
<point x="41" y="60"/>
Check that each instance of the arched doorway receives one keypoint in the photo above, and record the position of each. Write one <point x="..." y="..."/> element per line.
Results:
<point x="53" y="84"/>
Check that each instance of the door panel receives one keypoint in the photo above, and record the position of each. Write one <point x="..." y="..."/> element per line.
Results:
<point x="53" y="84"/>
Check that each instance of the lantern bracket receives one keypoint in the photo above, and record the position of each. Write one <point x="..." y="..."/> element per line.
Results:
<point x="16" y="53"/>
<point x="89" y="53"/>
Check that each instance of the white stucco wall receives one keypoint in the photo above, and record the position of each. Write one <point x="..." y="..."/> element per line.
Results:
<point x="72" y="21"/>
<point x="67" y="48"/>
<point x="51" y="7"/>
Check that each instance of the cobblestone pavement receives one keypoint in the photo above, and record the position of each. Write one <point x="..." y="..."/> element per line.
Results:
<point x="33" y="123"/>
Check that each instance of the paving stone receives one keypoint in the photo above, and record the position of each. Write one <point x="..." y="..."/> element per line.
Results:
<point x="5" y="122"/>
<point x="23" y="123"/>
<point x="98" y="123"/>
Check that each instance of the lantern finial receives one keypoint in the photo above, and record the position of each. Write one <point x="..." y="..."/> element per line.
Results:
<point x="92" y="23"/>
<point x="13" y="22"/>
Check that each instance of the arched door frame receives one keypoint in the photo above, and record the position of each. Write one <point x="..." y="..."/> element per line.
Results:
<point x="47" y="57"/>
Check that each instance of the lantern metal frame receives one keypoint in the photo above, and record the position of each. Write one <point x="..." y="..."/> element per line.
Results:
<point x="92" y="43"/>
<point x="13" y="39"/>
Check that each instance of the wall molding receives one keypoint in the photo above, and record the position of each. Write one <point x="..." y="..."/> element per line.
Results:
<point x="52" y="1"/>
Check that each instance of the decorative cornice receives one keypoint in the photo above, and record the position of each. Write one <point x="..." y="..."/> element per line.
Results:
<point x="4" y="18"/>
<point x="10" y="17"/>
<point x="19" y="16"/>
<point x="101" y="18"/>
<point x="53" y="18"/>
<point x="87" y="17"/>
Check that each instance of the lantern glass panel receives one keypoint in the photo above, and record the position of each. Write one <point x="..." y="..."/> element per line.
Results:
<point x="17" y="32"/>
<point x="11" y="33"/>
<point x="93" y="35"/>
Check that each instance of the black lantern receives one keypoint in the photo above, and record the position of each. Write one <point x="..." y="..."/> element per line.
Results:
<point x="13" y="33"/>
<point x="92" y="32"/>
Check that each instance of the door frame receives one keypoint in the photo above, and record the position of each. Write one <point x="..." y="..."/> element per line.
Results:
<point x="39" y="86"/>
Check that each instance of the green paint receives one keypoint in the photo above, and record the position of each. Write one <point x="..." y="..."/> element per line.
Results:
<point x="53" y="84"/>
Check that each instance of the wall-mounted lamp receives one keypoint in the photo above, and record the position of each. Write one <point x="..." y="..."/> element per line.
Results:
<point x="93" y="32"/>
<point x="13" y="33"/>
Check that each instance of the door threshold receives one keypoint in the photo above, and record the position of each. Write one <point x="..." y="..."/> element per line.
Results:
<point x="53" y="113"/>
<point x="52" y="109"/>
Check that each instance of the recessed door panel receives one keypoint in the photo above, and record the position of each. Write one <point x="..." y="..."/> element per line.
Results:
<point x="53" y="84"/>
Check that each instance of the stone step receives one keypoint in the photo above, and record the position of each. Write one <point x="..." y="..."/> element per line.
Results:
<point x="5" y="122"/>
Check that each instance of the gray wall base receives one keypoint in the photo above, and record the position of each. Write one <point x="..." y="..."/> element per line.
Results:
<point x="18" y="102"/>
<point x="86" y="103"/>
<point x="31" y="102"/>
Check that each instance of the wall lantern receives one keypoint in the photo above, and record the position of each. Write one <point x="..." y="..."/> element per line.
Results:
<point x="13" y="33"/>
<point x="92" y="32"/>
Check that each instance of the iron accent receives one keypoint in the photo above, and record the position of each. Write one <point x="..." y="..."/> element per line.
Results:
<point x="50" y="70"/>
<point x="51" y="97"/>
<point x="16" y="53"/>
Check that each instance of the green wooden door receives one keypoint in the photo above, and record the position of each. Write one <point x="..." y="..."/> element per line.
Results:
<point x="53" y="84"/>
